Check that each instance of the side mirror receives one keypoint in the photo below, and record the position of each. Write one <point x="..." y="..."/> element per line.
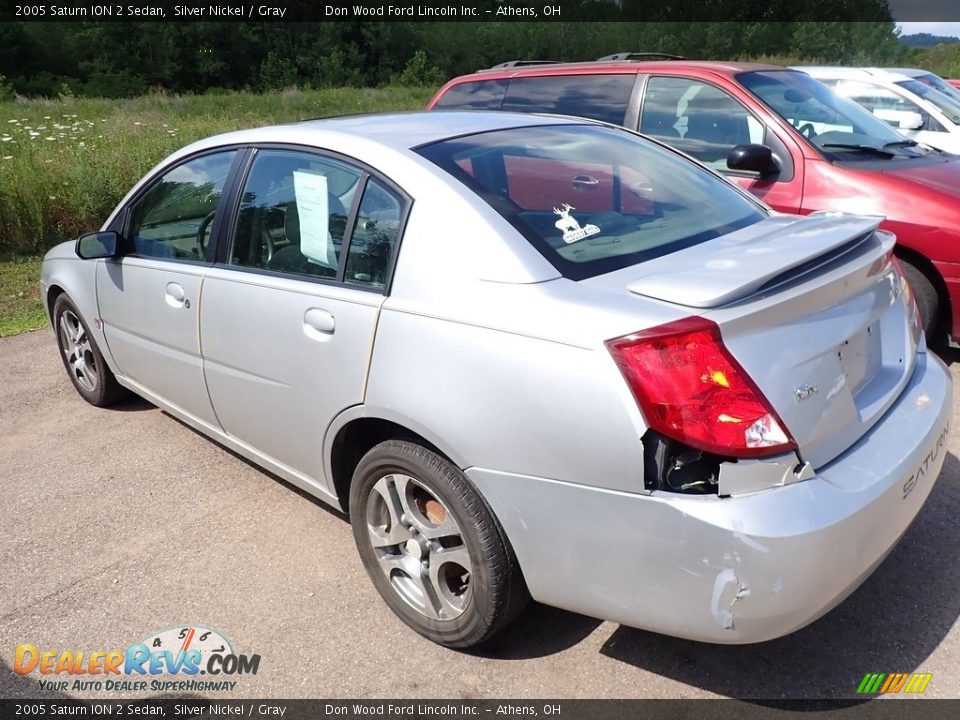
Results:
<point x="755" y="158"/>
<point x="911" y="121"/>
<point x="98" y="245"/>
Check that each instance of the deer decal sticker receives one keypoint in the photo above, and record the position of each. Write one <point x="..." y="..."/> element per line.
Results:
<point x="568" y="225"/>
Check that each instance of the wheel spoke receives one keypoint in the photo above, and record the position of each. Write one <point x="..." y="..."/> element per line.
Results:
<point x="458" y="555"/>
<point x="451" y="603"/>
<point x="88" y="374"/>
<point x="438" y="603"/>
<point x="78" y="351"/>
<point x="66" y="337"/>
<point x="390" y="562"/>
<point x="395" y="533"/>
<point x="447" y="527"/>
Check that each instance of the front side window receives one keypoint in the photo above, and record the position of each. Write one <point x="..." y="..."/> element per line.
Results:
<point x="593" y="199"/>
<point x="293" y="213"/>
<point x="598" y="97"/>
<point x="174" y="217"/>
<point x="697" y="118"/>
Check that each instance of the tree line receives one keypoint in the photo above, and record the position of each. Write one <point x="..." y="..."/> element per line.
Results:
<point x="121" y="59"/>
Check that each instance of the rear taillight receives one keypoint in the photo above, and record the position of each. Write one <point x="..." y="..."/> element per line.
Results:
<point x="690" y="388"/>
<point x="915" y="322"/>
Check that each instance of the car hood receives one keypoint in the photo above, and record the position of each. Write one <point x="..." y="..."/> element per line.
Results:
<point x="941" y="176"/>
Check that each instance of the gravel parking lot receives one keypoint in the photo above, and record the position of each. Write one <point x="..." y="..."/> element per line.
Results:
<point x="118" y="523"/>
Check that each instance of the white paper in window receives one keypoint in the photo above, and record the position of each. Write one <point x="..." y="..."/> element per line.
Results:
<point x="316" y="244"/>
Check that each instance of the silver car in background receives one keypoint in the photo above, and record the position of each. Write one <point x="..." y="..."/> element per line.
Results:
<point x="530" y="356"/>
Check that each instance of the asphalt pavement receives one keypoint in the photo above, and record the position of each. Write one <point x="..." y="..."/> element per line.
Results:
<point x="118" y="523"/>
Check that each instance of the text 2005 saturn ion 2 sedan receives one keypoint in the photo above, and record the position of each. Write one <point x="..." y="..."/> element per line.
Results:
<point x="531" y="356"/>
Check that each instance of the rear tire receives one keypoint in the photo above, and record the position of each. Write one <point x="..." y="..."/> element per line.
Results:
<point x="431" y="546"/>
<point x="928" y="300"/>
<point x="81" y="357"/>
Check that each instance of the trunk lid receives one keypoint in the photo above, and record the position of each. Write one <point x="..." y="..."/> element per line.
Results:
<point x="813" y="310"/>
<point x="740" y="264"/>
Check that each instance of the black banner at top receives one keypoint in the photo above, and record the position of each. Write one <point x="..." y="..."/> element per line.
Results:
<point x="480" y="10"/>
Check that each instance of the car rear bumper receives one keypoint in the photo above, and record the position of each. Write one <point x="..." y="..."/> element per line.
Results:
<point x="730" y="570"/>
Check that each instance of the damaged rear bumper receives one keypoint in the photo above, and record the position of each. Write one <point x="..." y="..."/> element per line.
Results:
<point x="738" y="569"/>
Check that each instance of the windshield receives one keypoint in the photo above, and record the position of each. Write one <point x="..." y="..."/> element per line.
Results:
<point x="594" y="199"/>
<point x="947" y="105"/>
<point x="838" y="127"/>
<point x="938" y="83"/>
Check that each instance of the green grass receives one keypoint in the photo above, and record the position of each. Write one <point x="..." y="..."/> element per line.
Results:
<point x="20" y="306"/>
<point x="64" y="164"/>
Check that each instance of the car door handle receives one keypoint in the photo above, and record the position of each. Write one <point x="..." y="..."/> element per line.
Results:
<point x="584" y="183"/>
<point x="318" y="324"/>
<point x="175" y="296"/>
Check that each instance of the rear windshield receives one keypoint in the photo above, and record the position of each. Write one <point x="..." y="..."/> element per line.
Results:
<point x="593" y="199"/>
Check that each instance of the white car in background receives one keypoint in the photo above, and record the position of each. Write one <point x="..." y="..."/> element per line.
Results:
<point x="916" y="109"/>
<point x="928" y="78"/>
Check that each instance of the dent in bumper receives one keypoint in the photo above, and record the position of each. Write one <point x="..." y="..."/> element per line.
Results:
<point x="729" y="570"/>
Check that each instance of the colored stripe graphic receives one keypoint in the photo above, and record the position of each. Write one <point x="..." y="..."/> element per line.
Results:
<point x="870" y="683"/>
<point x="918" y="683"/>
<point x="880" y="683"/>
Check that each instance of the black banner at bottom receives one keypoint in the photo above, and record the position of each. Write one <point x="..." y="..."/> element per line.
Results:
<point x="867" y="709"/>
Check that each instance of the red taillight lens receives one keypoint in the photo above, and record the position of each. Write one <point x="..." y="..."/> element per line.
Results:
<point x="914" y="320"/>
<point x="690" y="388"/>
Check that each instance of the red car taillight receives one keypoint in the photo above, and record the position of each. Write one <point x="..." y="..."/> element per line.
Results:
<point x="914" y="321"/>
<point x="690" y="388"/>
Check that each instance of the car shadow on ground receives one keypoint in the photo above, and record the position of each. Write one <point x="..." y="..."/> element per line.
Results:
<point x="892" y="623"/>
<point x="134" y="403"/>
<point x="539" y="631"/>
<point x="949" y="355"/>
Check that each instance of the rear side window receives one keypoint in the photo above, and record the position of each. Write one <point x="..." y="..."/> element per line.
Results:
<point x="484" y="95"/>
<point x="598" y="97"/>
<point x="594" y="199"/>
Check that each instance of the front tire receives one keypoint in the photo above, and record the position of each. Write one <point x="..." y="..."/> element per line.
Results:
<point x="431" y="546"/>
<point x="81" y="357"/>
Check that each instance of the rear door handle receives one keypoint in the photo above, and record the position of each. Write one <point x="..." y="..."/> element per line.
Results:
<point x="318" y="324"/>
<point x="175" y="296"/>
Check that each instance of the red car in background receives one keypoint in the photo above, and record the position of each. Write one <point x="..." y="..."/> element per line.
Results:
<point x="955" y="83"/>
<point x="778" y="133"/>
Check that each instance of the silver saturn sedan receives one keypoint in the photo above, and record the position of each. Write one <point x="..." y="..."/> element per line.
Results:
<point x="531" y="357"/>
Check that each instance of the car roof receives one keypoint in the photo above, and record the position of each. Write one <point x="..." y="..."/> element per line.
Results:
<point x="852" y="73"/>
<point x="605" y="66"/>
<point x="909" y="72"/>
<point x="397" y="131"/>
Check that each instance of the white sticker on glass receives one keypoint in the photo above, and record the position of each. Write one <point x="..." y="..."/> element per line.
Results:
<point x="313" y="208"/>
<point x="570" y="227"/>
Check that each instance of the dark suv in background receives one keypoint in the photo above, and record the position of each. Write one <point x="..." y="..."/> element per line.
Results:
<point x="776" y="132"/>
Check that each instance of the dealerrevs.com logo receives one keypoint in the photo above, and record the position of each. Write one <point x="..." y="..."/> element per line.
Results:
<point x="188" y="658"/>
